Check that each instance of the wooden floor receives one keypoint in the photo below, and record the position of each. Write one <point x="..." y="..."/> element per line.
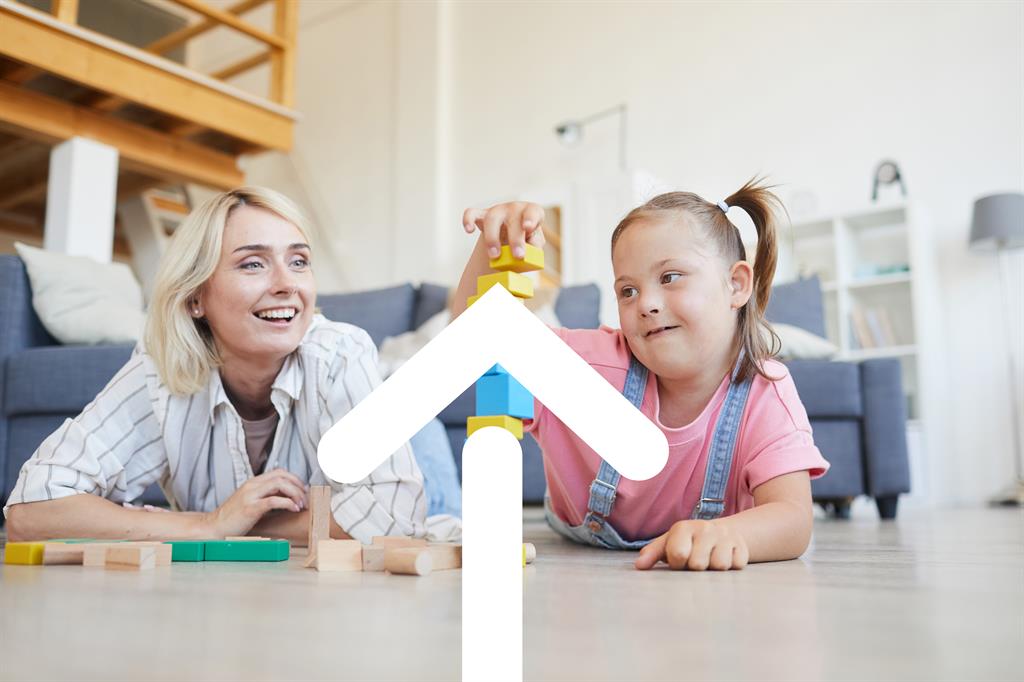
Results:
<point x="933" y="596"/>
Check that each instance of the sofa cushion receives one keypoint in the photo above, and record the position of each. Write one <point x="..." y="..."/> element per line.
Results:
<point x="579" y="307"/>
<point x="799" y="304"/>
<point x="430" y="300"/>
<point x="381" y="312"/>
<point x="839" y="441"/>
<point x="59" y="379"/>
<point x="828" y="389"/>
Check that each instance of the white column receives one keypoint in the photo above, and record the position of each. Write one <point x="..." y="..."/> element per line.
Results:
<point x="80" y="199"/>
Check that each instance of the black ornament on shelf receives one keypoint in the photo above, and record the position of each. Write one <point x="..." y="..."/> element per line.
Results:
<point x="887" y="173"/>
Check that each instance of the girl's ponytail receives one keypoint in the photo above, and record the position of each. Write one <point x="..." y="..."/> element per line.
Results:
<point x="755" y="335"/>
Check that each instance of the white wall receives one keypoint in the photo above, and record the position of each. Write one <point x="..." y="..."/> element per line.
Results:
<point x="813" y="94"/>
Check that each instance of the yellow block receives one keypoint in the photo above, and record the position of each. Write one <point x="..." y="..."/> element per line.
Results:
<point x="471" y="300"/>
<point x="511" y="424"/>
<point x="534" y="260"/>
<point x="23" y="553"/>
<point x="518" y="285"/>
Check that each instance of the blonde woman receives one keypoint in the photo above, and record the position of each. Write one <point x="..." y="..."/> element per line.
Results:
<point x="223" y="403"/>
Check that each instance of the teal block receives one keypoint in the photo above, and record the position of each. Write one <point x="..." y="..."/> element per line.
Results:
<point x="498" y="394"/>
<point x="187" y="550"/>
<point x="247" y="550"/>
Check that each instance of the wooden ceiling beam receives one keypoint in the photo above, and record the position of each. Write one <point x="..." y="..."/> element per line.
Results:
<point x="141" y="149"/>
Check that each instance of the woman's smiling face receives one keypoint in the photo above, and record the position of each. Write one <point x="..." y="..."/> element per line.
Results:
<point x="259" y="301"/>
<point x="677" y="308"/>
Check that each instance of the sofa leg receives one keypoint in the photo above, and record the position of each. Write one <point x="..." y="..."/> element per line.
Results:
<point x="887" y="506"/>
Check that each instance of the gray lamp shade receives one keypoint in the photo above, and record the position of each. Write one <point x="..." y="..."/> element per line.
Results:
<point x="998" y="222"/>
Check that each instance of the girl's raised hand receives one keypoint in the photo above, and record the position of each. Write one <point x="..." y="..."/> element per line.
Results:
<point x="515" y="223"/>
<point x="696" y="546"/>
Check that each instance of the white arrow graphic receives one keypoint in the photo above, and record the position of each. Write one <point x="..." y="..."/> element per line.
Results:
<point x="496" y="329"/>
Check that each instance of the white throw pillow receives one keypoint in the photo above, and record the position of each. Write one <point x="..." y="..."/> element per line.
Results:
<point x="800" y="344"/>
<point x="81" y="301"/>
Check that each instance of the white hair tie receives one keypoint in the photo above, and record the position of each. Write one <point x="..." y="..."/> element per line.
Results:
<point x="724" y="206"/>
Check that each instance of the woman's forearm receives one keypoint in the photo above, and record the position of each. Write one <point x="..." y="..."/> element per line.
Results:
<point x="90" y="516"/>
<point x="292" y="526"/>
<point x="775" y="531"/>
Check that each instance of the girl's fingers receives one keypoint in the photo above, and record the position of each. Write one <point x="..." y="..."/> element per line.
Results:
<point x="740" y="556"/>
<point x="700" y="556"/>
<point x="721" y="557"/>
<point x="533" y="220"/>
<point x="516" y="232"/>
<point x="492" y="231"/>
<point x="679" y="548"/>
<point x="651" y="554"/>
<point x="471" y="219"/>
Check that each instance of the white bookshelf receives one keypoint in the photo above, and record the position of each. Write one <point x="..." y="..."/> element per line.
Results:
<point x="881" y="298"/>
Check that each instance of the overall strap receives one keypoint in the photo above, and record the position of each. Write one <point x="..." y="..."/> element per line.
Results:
<point x="723" y="445"/>
<point x="602" y="490"/>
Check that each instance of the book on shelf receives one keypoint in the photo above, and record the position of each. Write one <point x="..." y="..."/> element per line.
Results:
<point x="872" y="327"/>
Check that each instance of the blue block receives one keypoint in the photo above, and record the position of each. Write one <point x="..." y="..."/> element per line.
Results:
<point x="501" y="394"/>
<point x="497" y="369"/>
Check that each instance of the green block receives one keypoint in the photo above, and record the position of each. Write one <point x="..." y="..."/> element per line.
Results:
<point x="187" y="550"/>
<point x="247" y="550"/>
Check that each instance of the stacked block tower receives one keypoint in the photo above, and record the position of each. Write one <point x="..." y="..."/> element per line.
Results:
<point x="500" y="399"/>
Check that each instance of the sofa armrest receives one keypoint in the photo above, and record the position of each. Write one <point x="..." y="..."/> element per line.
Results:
<point x="886" y="462"/>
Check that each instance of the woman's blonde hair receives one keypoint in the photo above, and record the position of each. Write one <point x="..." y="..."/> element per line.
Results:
<point x="753" y="332"/>
<point x="181" y="346"/>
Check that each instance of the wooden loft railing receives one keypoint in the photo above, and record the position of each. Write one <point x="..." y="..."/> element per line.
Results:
<point x="169" y="123"/>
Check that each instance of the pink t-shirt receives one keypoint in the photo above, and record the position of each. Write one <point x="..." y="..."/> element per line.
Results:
<point x="774" y="439"/>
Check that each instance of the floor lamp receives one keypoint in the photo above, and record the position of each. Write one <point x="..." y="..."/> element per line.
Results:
<point x="998" y="225"/>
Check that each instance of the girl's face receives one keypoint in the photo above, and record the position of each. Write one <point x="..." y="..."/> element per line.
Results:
<point x="677" y="296"/>
<point x="260" y="300"/>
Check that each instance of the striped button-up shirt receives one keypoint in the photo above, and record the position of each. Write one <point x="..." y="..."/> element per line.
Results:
<point x="136" y="432"/>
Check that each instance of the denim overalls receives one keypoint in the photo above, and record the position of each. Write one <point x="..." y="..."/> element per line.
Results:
<point x="598" y="531"/>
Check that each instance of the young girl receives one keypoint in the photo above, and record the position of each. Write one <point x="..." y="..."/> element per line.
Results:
<point x="694" y="355"/>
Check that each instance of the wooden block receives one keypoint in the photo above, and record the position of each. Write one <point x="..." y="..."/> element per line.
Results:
<point x="534" y="260"/>
<point x="126" y="558"/>
<point x="515" y="426"/>
<point x="319" y="519"/>
<point x="498" y="394"/>
<point x="445" y="555"/>
<point x="408" y="560"/>
<point x="339" y="555"/>
<point x="518" y="285"/>
<point x="264" y="550"/>
<point x="164" y="552"/>
<point x="373" y="557"/>
<point x="397" y="541"/>
<point x="63" y="553"/>
<point x="529" y="553"/>
<point x="24" y="553"/>
<point x="95" y="554"/>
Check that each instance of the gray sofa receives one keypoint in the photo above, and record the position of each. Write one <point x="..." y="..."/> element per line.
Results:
<point x="856" y="410"/>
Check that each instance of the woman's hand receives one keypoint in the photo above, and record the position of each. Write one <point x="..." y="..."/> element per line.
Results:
<point x="515" y="223"/>
<point x="697" y="546"/>
<point x="277" y="489"/>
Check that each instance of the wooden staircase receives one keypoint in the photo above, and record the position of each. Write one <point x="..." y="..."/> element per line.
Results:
<point x="171" y="125"/>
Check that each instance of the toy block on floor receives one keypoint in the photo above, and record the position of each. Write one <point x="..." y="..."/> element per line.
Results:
<point x="496" y="370"/>
<point x="518" y="285"/>
<point x="339" y="555"/>
<point x="533" y="260"/>
<point x="529" y="553"/>
<point x="63" y="552"/>
<point x="409" y="561"/>
<point x="24" y="553"/>
<point x="511" y="424"/>
<point x="498" y="394"/>
<point x="263" y="550"/>
<point x="373" y="557"/>
<point x="130" y="558"/>
<point x="319" y="519"/>
<point x="164" y="552"/>
<point x="187" y="550"/>
<point x="94" y="554"/>
<point x="398" y="541"/>
<point x="445" y="555"/>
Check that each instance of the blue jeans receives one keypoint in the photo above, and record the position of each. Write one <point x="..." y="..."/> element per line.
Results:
<point x="434" y="456"/>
